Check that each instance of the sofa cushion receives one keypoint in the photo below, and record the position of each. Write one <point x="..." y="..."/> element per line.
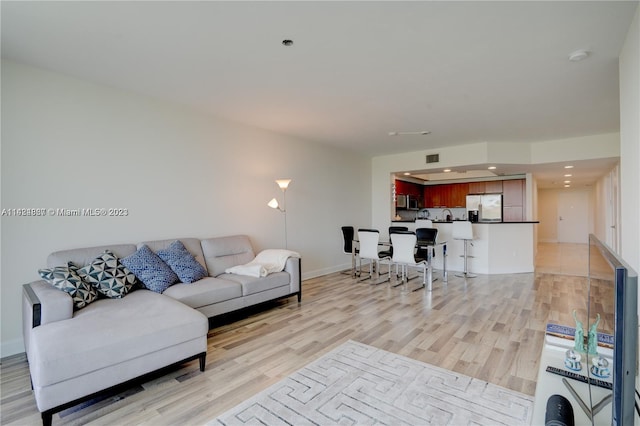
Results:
<point x="252" y="285"/>
<point x="84" y="256"/>
<point x="108" y="275"/>
<point x="150" y="269"/>
<point x="67" y="279"/>
<point x="109" y="332"/>
<point x="182" y="262"/>
<point x="205" y="292"/>
<point x="224" y="252"/>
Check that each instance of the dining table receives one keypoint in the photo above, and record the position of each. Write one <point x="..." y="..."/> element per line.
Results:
<point x="428" y="246"/>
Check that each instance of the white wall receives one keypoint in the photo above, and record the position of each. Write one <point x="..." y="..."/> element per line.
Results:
<point x="630" y="145"/>
<point x="71" y="144"/>
<point x="629" y="66"/>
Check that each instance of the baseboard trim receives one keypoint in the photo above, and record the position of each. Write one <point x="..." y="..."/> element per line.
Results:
<point x="325" y="271"/>
<point x="11" y="347"/>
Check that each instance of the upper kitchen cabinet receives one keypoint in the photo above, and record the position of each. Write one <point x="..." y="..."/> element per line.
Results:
<point x="445" y="195"/>
<point x="513" y="200"/>
<point x="513" y="192"/>
<point x="486" y="187"/>
<point x="459" y="193"/>
<point x="432" y="196"/>
<point x="408" y="188"/>
<point x="411" y="189"/>
<point x="493" y="187"/>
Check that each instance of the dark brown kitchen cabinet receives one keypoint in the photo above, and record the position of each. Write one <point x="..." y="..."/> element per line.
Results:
<point x="513" y="200"/>
<point x="432" y="196"/>
<point x="513" y="192"/>
<point x="486" y="187"/>
<point x="446" y="195"/>
<point x="476" y="187"/>
<point x="459" y="193"/>
<point x="408" y="188"/>
<point x="512" y="214"/>
<point x="455" y="195"/>
<point x="493" y="187"/>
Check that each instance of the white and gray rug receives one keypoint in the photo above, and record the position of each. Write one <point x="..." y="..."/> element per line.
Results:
<point x="356" y="384"/>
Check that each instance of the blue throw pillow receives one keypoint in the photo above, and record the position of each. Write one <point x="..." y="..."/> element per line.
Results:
<point x="182" y="262"/>
<point x="150" y="269"/>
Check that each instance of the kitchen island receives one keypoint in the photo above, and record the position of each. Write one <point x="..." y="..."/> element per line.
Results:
<point x="498" y="247"/>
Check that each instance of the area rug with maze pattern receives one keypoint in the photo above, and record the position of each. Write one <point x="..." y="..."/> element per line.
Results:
<point x="357" y="384"/>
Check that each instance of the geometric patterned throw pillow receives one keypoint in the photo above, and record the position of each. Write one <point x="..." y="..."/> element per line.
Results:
<point x="182" y="262"/>
<point x="150" y="269"/>
<point x="108" y="276"/>
<point x="67" y="279"/>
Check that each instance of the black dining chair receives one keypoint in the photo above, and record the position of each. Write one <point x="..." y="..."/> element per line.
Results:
<point x="426" y="237"/>
<point x="392" y="229"/>
<point x="348" y="234"/>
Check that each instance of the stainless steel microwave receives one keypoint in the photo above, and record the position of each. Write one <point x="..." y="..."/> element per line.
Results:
<point x="412" y="202"/>
<point x="407" y="202"/>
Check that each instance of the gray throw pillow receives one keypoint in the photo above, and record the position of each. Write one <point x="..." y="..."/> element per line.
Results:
<point x="108" y="275"/>
<point x="67" y="279"/>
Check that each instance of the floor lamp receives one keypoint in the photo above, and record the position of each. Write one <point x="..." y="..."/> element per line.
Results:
<point x="283" y="184"/>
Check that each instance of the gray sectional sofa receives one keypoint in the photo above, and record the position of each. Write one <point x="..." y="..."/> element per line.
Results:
<point x="75" y="354"/>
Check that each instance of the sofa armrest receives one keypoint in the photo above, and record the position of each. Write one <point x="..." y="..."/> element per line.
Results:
<point x="293" y="267"/>
<point x="42" y="304"/>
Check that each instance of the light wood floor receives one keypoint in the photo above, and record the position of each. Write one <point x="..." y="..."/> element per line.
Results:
<point x="563" y="258"/>
<point x="489" y="327"/>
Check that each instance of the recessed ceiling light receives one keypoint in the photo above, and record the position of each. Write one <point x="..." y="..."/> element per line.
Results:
<point x="578" y="55"/>
<point x="568" y="175"/>
<point x="407" y="174"/>
<point x="567" y="181"/>
<point x="446" y="170"/>
<point x="492" y="167"/>
<point x="568" y="167"/>
<point x="287" y="42"/>
<point x="567" y="186"/>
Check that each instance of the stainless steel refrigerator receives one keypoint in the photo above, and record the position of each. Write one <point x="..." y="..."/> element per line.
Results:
<point x="489" y="206"/>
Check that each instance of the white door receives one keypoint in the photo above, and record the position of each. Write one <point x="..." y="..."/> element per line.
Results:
<point x="573" y="217"/>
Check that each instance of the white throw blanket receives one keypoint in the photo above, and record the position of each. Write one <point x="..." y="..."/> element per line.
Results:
<point x="265" y="263"/>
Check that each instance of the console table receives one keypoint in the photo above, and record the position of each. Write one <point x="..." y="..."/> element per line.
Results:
<point x="549" y="384"/>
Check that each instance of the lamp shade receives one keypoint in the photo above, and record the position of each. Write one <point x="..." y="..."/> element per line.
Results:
<point x="273" y="203"/>
<point x="283" y="183"/>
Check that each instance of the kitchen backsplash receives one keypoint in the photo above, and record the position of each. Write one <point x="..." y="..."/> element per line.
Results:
<point x="433" y="214"/>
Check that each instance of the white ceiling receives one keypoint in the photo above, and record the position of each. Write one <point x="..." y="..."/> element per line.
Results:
<point x="465" y="71"/>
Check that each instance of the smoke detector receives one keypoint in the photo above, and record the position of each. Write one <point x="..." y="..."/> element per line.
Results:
<point x="578" y="55"/>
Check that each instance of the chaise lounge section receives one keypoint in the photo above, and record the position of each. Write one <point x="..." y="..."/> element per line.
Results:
<point x="76" y="354"/>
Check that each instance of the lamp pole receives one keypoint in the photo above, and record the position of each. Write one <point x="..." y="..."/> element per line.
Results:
<point x="283" y="184"/>
<point x="284" y="210"/>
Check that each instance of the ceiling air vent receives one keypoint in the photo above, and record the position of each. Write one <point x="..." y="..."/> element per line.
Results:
<point x="433" y="158"/>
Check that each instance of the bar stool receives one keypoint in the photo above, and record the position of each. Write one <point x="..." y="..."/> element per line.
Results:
<point x="462" y="230"/>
